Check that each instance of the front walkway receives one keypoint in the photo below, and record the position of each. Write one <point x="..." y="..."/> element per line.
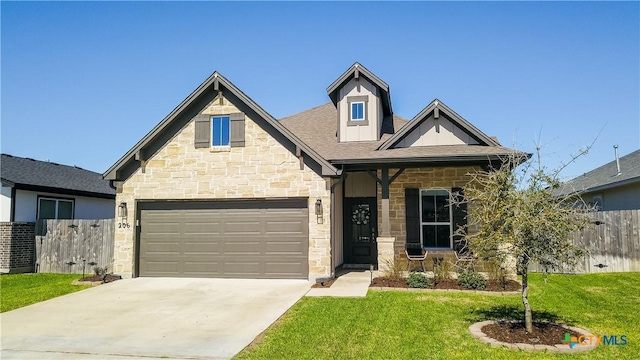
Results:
<point x="349" y="283"/>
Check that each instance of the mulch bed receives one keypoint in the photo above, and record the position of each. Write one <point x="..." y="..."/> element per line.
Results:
<point x="106" y="279"/>
<point x="514" y="332"/>
<point x="324" y="284"/>
<point x="389" y="282"/>
<point x="510" y="285"/>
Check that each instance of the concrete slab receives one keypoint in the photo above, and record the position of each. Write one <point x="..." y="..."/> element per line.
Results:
<point x="349" y="284"/>
<point x="150" y="317"/>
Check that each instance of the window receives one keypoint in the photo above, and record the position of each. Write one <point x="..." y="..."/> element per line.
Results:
<point x="357" y="111"/>
<point x="220" y="126"/>
<point x="51" y="208"/>
<point x="435" y="221"/>
<point x="357" y="108"/>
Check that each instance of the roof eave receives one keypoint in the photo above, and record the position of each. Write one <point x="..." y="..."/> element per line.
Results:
<point x="111" y="173"/>
<point x="65" y="191"/>
<point x="422" y="115"/>
<point x="346" y="76"/>
<point x="435" y="159"/>
<point x="604" y="187"/>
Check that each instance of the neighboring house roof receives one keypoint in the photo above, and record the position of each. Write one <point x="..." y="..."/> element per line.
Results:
<point x="214" y="82"/>
<point x="317" y="127"/>
<point x="30" y="174"/>
<point x="605" y="176"/>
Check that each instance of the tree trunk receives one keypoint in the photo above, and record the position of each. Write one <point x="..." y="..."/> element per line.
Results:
<point x="528" y="321"/>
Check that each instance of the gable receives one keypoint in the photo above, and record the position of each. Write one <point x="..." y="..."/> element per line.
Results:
<point x="357" y="71"/>
<point x="437" y="124"/>
<point x="440" y="131"/>
<point x="215" y="87"/>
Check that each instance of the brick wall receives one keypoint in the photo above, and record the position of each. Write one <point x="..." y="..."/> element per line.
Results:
<point x="17" y="246"/>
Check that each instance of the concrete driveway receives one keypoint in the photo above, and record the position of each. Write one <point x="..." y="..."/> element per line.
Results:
<point x="149" y="317"/>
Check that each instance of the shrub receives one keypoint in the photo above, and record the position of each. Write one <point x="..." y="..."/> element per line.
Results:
<point x="472" y="280"/>
<point x="418" y="280"/>
<point x="100" y="271"/>
<point x="394" y="268"/>
<point x="441" y="270"/>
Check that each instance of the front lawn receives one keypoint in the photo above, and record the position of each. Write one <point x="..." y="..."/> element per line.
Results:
<point x="18" y="290"/>
<point x="434" y="325"/>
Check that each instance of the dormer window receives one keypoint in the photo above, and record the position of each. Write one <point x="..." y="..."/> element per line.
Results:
<point x="358" y="110"/>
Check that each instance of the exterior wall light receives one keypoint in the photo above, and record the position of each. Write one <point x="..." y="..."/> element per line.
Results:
<point x="318" y="209"/>
<point x="122" y="210"/>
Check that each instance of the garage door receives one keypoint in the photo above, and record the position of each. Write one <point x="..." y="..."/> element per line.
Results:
<point x="231" y="239"/>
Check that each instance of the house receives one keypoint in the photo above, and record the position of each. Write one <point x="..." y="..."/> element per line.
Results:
<point x="220" y="188"/>
<point x="33" y="189"/>
<point x="612" y="186"/>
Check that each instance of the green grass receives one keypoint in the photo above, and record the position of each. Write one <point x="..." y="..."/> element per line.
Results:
<point x="434" y="325"/>
<point x="18" y="290"/>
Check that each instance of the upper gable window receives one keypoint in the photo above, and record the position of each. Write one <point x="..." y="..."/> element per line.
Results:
<point x="357" y="111"/>
<point x="357" y="107"/>
<point x="220" y="131"/>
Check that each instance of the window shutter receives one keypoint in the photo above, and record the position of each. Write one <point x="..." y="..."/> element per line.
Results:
<point x="237" y="129"/>
<point x="202" y="131"/>
<point x="412" y="204"/>
<point x="459" y="217"/>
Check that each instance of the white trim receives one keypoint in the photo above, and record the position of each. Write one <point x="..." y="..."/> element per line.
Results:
<point x="450" y="223"/>
<point x="219" y="147"/>
<point x="351" y="111"/>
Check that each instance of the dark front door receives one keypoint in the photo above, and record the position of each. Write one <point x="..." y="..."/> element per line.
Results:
<point x="360" y="221"/>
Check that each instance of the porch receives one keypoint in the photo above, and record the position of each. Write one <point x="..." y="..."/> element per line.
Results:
<point x="375" y="213"/>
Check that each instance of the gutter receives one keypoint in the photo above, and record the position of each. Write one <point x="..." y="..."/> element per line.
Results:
<point x="423" y="159"/>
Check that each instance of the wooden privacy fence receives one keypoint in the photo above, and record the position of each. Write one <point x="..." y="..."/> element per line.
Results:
<point x="61" y="245"/>
<point x="612" y="242"/>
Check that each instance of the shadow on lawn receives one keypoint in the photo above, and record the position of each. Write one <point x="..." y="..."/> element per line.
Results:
<point x="511" y="312"/>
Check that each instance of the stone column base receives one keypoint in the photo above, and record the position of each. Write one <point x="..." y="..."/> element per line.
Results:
<point x="386" y="253"/>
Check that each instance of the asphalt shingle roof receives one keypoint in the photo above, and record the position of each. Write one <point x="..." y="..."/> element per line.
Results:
<point x="605" y="176"/>
<point x="25" y="171"/>
<point x="317" y="127"/>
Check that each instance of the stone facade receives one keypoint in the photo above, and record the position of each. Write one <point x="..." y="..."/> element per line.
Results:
<point x="418" y="178"/>
<point x="17" y="247"/>
<point x="263" y="168"/>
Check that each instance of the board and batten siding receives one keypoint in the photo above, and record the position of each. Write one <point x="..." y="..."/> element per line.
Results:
<point x="436" y="132"/>
<point x="262" y="168"/>
<point x="369" y="132"/>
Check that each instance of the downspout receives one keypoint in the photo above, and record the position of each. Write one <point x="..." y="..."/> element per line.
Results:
<point x="111" y="185"/>
<point x="332" y="219"/>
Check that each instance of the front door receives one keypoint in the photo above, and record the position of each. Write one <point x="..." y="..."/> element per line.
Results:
<point x="360" y="221"/>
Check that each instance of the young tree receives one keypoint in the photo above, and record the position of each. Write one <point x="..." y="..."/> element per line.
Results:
<point x="516" y="216"/>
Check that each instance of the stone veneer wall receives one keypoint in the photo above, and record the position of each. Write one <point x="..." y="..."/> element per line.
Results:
<point x="263" y="168"/>
<point x="17" y="246"/>
<point x="417" y="178"/>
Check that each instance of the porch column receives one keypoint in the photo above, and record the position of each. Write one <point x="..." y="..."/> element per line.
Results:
<point x="386" y="224"/>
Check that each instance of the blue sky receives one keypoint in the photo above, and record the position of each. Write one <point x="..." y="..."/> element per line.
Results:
<point x="82" y="82"/>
